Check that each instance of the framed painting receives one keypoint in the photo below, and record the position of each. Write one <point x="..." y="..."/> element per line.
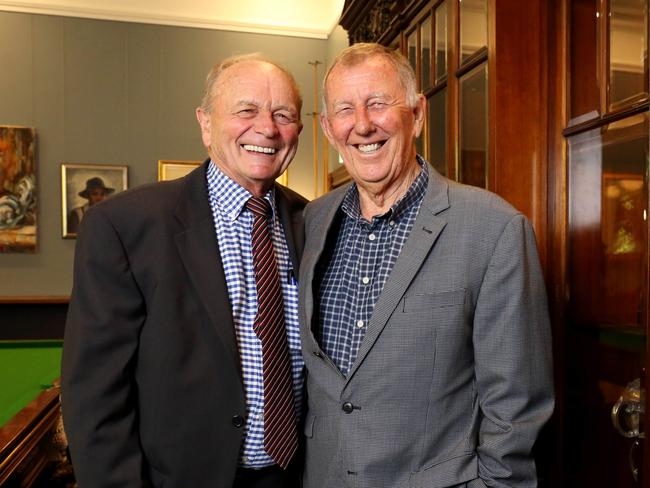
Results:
<point x="17" y="189"/>
<point x="84" y="185"/>
<point x="170" y="170"/>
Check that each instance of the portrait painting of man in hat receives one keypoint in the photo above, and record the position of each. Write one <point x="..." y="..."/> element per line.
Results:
<point x="84" y="186"/>
<point x="95" y="192"/>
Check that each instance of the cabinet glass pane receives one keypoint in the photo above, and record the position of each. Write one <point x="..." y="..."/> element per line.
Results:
<point x="437" y="108"/>
<point x="425" y="42"/>
<point x="628" y="63"/>
<point x="441" y="40"/>
<point x="412" y="49"/>
<point x="472" y="166"/>
<point x="473" y="27"/>
<point x="608" y="222"/>
<point x="606" y="332"/>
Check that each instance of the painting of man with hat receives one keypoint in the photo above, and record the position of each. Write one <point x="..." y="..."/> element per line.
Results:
<point x="85" y="186"/>
<point x="95" y="192"/>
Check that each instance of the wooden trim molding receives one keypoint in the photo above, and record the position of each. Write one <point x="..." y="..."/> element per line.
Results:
<point x="36" y="300"/>
<point x="24" y="439"/>
<point x="338" y="177"/>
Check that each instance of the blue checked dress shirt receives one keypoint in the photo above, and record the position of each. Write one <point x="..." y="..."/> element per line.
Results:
<point x="234" y="223"/>
<point x="357" y="267"/>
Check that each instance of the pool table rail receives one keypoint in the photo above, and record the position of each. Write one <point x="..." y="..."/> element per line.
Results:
<point x="25" y="440"/>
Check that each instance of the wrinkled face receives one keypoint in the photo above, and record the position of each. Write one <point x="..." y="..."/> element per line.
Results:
<point x="370" y="123"/>
<point x="252" y="129"/>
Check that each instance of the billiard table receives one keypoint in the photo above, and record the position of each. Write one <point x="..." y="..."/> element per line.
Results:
<point x="29" y="408"/>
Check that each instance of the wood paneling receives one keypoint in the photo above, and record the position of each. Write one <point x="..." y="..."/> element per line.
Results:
<point x="517" y="56"/>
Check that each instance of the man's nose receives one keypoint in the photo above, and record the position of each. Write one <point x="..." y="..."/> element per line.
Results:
<point x="362" y="122"/>
<point x="265" y="124"/>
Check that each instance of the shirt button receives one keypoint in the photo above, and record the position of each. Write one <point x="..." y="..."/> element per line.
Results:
<point x="365" y="280"/>
<point x="391" y="223"/>
<point x="372" y="237"/>
<point x="359" y="323"/>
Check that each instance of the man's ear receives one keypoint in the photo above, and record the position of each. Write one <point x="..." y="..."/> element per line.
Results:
<point x="327" y="128"/>
<point x="205" y="123"/>
<point x="419" y="112"/>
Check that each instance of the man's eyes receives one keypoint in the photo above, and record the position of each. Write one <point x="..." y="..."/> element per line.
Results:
<point x="280" y="117"/>
<point x="376" y="105"/>
<point x="284" y="117"/>
<point x="344" y="111"/>
<point x="246" y="111"/>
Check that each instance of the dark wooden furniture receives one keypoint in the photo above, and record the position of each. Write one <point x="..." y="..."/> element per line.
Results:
<point x="26" y="441"/>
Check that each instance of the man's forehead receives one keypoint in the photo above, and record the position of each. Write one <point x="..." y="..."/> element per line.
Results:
<point x="253" y="69"/>
<point x="368" y="64"/>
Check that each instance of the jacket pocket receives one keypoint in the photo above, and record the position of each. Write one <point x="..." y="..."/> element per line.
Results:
<point x="428" y="301"/>
<point x="308" y="428"/>
<point x="450" y="473"/>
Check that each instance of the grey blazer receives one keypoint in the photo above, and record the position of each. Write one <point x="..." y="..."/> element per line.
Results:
<point x="453" y="379"/>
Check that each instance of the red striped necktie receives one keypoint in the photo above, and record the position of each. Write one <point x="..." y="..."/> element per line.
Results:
<point x="280" y="430"/>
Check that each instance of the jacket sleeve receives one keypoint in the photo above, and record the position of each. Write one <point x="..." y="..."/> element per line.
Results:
<point x="513" y="360"/>
<point x="99" y="396"/>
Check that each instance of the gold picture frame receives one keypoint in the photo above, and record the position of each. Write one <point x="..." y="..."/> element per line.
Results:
<point x="173" y="169"/>
<point x="83" y="185"/>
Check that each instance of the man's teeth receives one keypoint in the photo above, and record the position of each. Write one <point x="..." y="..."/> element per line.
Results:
<point x="366" y="148"/>
<point x="260" y="149"/>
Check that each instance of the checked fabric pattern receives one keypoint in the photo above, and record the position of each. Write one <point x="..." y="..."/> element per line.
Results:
<point x="280" y="430"/>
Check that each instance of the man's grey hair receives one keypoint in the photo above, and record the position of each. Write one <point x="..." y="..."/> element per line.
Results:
<point x="363" y="51"/>
<point x="215" y="73"/>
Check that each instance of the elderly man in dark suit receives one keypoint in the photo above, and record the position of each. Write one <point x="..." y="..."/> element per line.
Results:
<point x="424" y="322"/>
<point x="181" y="361"/>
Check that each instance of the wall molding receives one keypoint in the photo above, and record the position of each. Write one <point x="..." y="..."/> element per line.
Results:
<point x="161" y="18"/>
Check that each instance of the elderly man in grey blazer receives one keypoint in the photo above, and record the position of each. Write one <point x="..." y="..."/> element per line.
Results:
<point x="425" y="328"/>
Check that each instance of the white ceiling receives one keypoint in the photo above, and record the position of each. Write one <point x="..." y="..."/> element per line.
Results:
<point x="302" y="18"/>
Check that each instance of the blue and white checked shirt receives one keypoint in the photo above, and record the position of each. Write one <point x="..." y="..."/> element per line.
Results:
<point x="234" y="223"/>
<point x="354" y="273"/>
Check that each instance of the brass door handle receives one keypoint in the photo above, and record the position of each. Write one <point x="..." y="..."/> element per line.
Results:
<point x="628" y="411"/>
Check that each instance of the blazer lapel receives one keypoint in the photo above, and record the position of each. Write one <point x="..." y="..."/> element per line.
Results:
<point x="199" y="252"/>
<point x="425" y="231"/>
<point x="313" y="252"/>
<point x="292" y="224"/>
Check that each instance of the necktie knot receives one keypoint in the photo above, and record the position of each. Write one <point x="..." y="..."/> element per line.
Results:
<point x="259" y="206"/>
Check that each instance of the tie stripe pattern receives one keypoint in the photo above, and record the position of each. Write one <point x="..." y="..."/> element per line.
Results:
<point x="280" y="430"/>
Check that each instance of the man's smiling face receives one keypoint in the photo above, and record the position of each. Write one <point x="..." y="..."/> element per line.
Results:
<point x="370" y="122"/>
<point x="252" y="128"/>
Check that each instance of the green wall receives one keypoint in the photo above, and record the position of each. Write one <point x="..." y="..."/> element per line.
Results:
<point x="117" y="93"/>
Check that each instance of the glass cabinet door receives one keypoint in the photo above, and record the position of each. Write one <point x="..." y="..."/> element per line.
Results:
<point x="473" y="136"/>
<point x="606" y="333"/>
<point x="628" y="55"/>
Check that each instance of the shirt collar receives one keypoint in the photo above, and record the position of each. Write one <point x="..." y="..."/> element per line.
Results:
<point x="352" y="207"/>
<point x="229" y="195"/>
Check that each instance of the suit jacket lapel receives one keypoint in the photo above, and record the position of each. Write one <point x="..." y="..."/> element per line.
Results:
<point x="199" y="252"/>
<point x="292" y="225"/>
<point x="310" y="259"/>
<point x="425" y="231"/>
